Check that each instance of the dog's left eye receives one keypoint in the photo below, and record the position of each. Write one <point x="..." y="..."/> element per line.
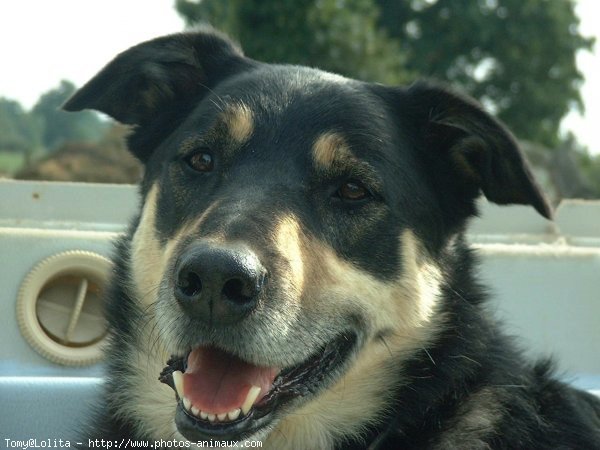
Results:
<point x="200" y="161"/>
<point x="353" y="191"/>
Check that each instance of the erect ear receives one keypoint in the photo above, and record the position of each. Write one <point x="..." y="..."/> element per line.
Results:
<point x="161" y="78"/>
<point x="471" y="147"/>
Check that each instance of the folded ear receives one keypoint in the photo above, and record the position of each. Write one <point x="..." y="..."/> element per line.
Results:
<point x="155" y="84"/>
<point x="154" y="76"/>
<point x="472" y="148"/>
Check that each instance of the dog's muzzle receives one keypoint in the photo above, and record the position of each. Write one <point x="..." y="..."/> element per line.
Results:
<point x="222" y="393"/>
<point x="218" y="285"/>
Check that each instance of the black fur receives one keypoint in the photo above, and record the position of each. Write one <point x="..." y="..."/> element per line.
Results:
<point x="431" y="153"/>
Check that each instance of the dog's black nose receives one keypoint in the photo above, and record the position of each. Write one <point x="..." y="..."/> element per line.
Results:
<point x="219" y="285"/>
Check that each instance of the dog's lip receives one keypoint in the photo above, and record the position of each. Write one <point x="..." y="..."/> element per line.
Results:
<point x="195" y="429"/>
<point x="297" y="381"/>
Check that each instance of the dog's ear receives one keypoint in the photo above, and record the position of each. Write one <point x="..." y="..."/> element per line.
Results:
<point x="155" y="75"/>
<point x="470" y="149"/>
<point x="160" y="76"/>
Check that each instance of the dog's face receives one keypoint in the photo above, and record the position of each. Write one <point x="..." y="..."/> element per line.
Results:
<point x="287" y="252"/>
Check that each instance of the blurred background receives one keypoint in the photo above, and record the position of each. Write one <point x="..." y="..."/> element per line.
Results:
<point x="530" y="62"/>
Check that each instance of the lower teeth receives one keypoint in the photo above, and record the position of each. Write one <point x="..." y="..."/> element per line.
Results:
<point x="251" y="397"/>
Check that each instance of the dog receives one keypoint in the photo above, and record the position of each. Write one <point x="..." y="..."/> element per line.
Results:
<point x="298" y="273"/>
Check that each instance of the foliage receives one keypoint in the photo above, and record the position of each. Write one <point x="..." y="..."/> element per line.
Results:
<point x="341" y="36"/>
<point x="589" y="166"/>
<point x="28" y="134"/>
<point x="516" y="56"/>
<point x="10" y="162"/>
<point x="61" y="126"/>
<point x="19" y="131"/>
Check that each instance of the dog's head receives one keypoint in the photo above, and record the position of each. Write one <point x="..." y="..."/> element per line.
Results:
<point x="285" y="254"/>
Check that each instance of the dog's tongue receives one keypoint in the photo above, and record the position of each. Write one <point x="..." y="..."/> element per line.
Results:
<point x="218" y="382"/>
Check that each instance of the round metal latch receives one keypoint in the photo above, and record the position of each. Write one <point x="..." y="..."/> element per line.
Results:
<point x="59" y="307"/>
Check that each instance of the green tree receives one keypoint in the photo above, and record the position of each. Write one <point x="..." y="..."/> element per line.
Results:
<point x="516" y="56"/>
<point x="341" y="36"/>
<point x="588" y="165"/>
<point x="60" y="126"/>
<point x="19" y="131"/>
<point x="20" y="135"/>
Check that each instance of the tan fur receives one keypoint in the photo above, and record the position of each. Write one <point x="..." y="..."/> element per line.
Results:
<point x="355" y="401"/>
<point x="148" y="402"/>
<point x="232" y="128"/>
<point x="147" y="256"/>
<point x="239" y="121"/>
<point x="475" y="421"/>
<point x="405" y="303"/>
<point x="329" y="148"/>
<point x="361" y="396"/>
<point x="287" y="241"/>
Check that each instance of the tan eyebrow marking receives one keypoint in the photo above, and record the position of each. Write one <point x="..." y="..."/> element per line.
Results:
<point x="239" y="120"/>
<point x="229" y="131"/>
<point x="331" y="148"/>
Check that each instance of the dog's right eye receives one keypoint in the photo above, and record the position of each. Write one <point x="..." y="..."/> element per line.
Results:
<point x="200" y="161"/>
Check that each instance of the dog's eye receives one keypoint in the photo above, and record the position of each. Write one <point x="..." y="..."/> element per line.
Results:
<point x="200" y="161"/>
<point x="353" y="191"/>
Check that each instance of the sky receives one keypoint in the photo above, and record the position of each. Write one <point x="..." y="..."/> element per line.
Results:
<point x="45" y="41"/>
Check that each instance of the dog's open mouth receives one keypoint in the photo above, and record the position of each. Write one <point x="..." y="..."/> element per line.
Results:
<point x="221" y="396"/>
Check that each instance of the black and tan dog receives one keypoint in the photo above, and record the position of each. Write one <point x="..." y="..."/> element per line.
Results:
<point x="299" y="267"/>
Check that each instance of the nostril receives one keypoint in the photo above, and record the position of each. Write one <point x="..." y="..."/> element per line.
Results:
<point x="218" y="285"/>
<point x="237" y="291"/>
<point x="189" y="283"/>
